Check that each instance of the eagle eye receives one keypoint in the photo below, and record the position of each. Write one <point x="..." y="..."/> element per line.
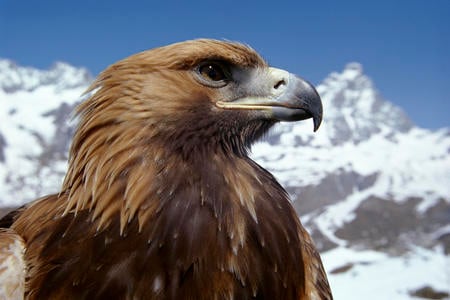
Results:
<point x="212" y="71"/>
<point x="213" y="74"/>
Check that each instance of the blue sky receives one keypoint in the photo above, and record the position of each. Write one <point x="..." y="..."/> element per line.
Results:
<point x="404" y="46"/>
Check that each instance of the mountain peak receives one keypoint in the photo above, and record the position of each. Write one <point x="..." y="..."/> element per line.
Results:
<point x="353" y="70"/>
<point x="14" y="78"/>
<point x="351" y="78"/>
<point x="354" y="111"/>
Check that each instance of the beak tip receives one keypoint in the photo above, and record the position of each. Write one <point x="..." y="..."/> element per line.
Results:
<point x="310" y="99"/>
<point x="316" y="124"/>
<point x="317" y="120"/>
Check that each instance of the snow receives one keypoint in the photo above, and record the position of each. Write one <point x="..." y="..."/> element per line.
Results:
<point x="408" y="161"/>
<point x="27" y="129"/>
<point x="375" y="275"/>
<point x="416" y="164"/>
<point x="25" y="112"/>
<point x="61" y="76"/>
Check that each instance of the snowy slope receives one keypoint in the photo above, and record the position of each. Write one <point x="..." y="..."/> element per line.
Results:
<point x="32" y="104"/>
<point x="372" y="187"/>
<point x="365" y="147"/>
<point x="368" y="179"/>
<point x="61" y="76"/>
<point x="374" y="275"/>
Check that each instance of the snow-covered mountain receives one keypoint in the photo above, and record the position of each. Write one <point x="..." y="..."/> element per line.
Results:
<point x="373" y="188"/>
<point x="61" y="76"/>
<point x="35" y="108"/>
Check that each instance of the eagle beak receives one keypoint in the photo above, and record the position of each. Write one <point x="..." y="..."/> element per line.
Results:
<point x="290" y="99"/>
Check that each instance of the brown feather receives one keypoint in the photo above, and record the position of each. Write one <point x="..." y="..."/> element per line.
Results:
<point x="161" y="201"/>
<point x="12" y="265"/>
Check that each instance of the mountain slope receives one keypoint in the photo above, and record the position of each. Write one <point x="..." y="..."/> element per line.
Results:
<point x="35" y="108"/>
<point x="368" y="180"/>
<point x="372" y="187"/>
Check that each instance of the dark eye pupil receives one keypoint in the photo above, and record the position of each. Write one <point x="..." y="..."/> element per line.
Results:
<point x="212" y="72"/>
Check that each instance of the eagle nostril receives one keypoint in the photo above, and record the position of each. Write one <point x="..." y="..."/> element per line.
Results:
<point x="279" y="83"/>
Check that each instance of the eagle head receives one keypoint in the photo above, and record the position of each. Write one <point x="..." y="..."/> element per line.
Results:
<point x="200" y="95"/>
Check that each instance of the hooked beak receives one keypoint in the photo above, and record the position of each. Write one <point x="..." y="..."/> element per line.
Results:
<point x="290" y="99"/>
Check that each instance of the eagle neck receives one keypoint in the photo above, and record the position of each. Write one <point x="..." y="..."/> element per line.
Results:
<point x="141" y="181"/>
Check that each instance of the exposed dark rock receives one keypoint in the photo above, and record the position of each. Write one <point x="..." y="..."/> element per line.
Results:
<point x="444" y="240"/>
<point x="58" y="147"/>
<point x="320" y="240"/>
<point x="427" y="292"/>
<point x="333" y="188"/>
<point x="439" y="213"/>
<point x="5" y="210"/>
<point x="392" y="226"/>
<point x="342" y="269"/>
<point x="2" y="148"/>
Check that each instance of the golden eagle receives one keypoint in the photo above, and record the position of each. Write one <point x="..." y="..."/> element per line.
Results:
<point x="160" y="200"/>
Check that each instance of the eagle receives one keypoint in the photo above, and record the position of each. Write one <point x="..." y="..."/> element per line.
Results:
<point x="161" y="199"/>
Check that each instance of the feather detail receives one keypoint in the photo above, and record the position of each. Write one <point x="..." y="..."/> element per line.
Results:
<point x="12" y="265"/>
<point x="317" y="287"/>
